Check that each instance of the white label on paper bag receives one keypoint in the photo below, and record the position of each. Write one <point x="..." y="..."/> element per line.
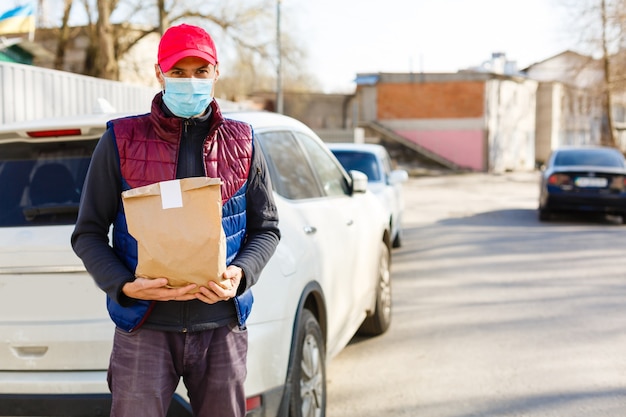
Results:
<point x="171" y="195"/>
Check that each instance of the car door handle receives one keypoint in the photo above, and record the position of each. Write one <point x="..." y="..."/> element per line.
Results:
<point x="309" y="230"/>
<point x="29" y="352"/>
<point x="350" y="222"/>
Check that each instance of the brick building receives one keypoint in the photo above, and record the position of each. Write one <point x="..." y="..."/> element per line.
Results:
<point x="468" y="120"/>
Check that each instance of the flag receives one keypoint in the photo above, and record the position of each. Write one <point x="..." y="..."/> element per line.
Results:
<point x="18" y="20"/>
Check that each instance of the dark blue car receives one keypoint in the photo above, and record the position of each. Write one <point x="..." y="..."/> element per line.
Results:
<point x="583" y="179"/>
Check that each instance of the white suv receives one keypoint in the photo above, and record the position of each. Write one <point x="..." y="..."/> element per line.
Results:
<point x="328" y="279"/>
<point x="385" y="182"/>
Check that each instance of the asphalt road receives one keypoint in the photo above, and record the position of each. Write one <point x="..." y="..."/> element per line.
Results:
<point x="495" y="314"/>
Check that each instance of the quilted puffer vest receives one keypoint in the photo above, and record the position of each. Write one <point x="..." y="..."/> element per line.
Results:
<point x="148" y="151"/>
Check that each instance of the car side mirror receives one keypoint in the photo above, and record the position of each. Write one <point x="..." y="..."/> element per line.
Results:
<point x="359" y="181"/>
<point x="397" y="176"/>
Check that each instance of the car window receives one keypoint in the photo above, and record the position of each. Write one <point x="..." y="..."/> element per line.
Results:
<point x="290" y="172"/>
<point x="359" y="161"/>
<point x="595" y="157"/>
<point x="386" y="165"/>
<point x="330" y="175"/>
<point x="40" y="183"/>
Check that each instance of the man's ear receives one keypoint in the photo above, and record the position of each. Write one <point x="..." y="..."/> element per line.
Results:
<point x="159" y="75"/>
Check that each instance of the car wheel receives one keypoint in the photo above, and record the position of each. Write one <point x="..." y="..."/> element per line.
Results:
<point x="544" y="215"/>
<point x="379" y="322"/>
<point x="308" y="370"/>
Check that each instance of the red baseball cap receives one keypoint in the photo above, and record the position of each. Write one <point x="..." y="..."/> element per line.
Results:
<point x="182" y="41"/>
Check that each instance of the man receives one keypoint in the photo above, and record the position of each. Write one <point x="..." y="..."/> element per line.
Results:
<point x="163" y="333"/>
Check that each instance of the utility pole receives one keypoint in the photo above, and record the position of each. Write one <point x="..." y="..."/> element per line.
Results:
<point x="279" y="76"/>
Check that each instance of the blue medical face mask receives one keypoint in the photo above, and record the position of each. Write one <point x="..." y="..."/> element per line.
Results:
<point x="188" y="97"/>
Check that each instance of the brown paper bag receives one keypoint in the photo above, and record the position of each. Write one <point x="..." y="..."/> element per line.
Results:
<point x="178" y="228"/>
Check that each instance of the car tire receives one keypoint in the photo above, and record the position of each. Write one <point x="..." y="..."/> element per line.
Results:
<point x="544" y="215"/>
<point x="379" y="321"/>
<point x="308" y="370"/>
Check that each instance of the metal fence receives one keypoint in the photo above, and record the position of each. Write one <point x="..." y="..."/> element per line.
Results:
<point x="29" y="93"/>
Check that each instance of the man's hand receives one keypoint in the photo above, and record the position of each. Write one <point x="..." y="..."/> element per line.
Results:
<point x="156" y="289"/>
<point x="215" y="292"/>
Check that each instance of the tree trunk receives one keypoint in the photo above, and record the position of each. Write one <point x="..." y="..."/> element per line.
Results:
<point x="608" y="134"/>
<point x="163" y="18"/>
<point x="105" y="60"/>
<point x="64" y="34"/>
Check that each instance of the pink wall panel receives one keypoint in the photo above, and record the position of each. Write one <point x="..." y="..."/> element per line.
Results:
<point x="463" y="147"/>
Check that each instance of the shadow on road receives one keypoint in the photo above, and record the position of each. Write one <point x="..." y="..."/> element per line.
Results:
<point x="608" y="402"/>
<point x="529" y="218"/>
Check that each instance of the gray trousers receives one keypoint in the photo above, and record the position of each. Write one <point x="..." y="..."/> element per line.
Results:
<point x="146" y="367"/>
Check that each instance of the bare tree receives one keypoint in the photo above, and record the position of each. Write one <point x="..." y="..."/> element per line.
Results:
<point x="254" y="73"/>
<point x="139" y="18"/>
<point x="244" y="31"/>
<point x="600" y="25"/>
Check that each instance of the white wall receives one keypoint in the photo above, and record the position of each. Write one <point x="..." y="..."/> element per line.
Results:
<point x="510" y="124"/>
<point x="28" y="93"/>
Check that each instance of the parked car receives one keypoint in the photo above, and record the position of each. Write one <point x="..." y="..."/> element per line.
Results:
<point x="583" y="179"/>
<point x="328" y="279"/>
<point x="374" y="161"/>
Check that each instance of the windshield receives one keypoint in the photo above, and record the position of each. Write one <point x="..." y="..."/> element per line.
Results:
<point x="40" y="183"/>
<point x="358" y="161"/>
<point x="589" y="157"/>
